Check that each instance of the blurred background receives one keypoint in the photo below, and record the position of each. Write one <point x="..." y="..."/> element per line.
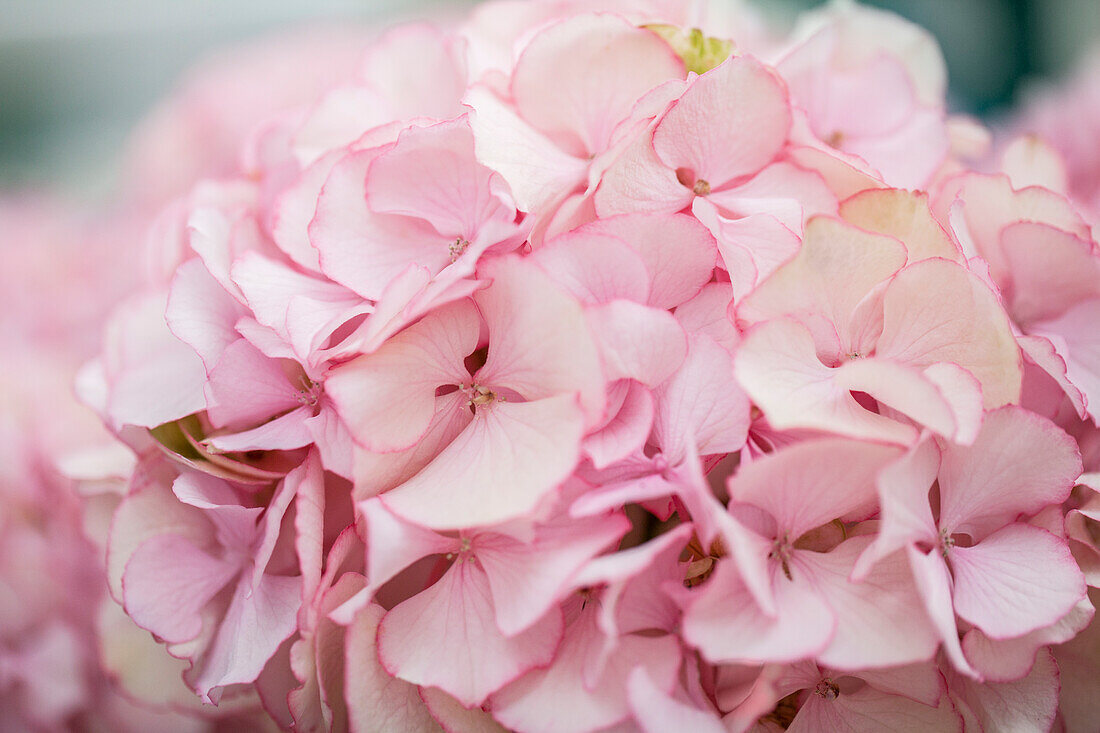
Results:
<point x="77" y="75"/>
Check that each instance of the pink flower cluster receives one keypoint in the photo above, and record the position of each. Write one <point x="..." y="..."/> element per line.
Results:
<point x="574" y="371"/>
<point x="70" y="659"/>
<point x="1062" y="128"/>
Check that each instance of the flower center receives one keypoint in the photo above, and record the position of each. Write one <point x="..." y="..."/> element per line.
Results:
<point x="946" y="542"/>
<point x="463" y="553"/>
<point x="827" y="689"/>
<point x="700" y="52"/>
<point x="479" y="396"/>
<point x="781" y="551"/>
<point x="457" y="247"/>
<point x="687" y="179"/>
<point x="701" y="561"/>
<point x="309" y="393"/>
<point x="588" y="594"/>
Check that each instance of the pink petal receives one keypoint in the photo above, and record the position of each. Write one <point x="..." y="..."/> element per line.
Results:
<point x="294" y="208"/>
<point x="712" y="520"/>
<point x="627" y="603"/>
<point x="200" y="313"/>
<point x="920" y="682"/>
<point x="419" y="69"/>
<point x="655" y="711"/>
<point x="453" y="716"/>
<point x="153" y="377"/>
<point x="1014" y="581"/>
<point x="953" y="410"/>
<point x="845" y="174"/>
<point x="338" y="118"/>
<point x="1078" y="666"/>
<point x="837" y="267"/>
<point x="307" y="472"/>
<point x="431" y="173"/>
<point x="578" y="78"/>
<point x="150" y="510"/>
<point x="626" y="431"/>
<point x="963" y="393"/>
<point x="269" y="343"/>
<point x="782" y="190"/>
<point x="1011" y="659"/>
<point x="167" y="584"/>
<point x="751" y="247"/>
<point x="986" y="485"/>
<point x="638" y="342"/>
<point x="991" y="204"/>
<point x="387" y="399"/>
<point x="1074" y="336"/>
<point x="528" y="579"/>
<point x="539" y="342"/>
<point x="836" y="94"/>
<point x="559" y="700"/>
<point x="876" y="622"/>
<point x="726" y="625"/>
<point x="235" y="525"/>
<point x="286" y="432"/>
<point x="613" y="495"/>
<point x="639" y="181"/>
<point x="375" y="700"/>
<point x="756" y="691"/>
<point x="1030" y="160"/>
<point x="446" y="637"/>
<point x="373" y="473"/>
<point x="394" y="544"/>
<point x="617" y="568"/>
<point x="246" y="387"/>
<point x="318" y="660"/>
<point x="363" y="250"/>
<point x="1030" y="703"/>
<point x="707" y="313"/>
<point x="539" y="174"/>
<point x="410" y="295"/>
<point x="499" y="467"/>
<point x="812" y="483"/>
<point x="908" y="156"/>
<point x="309" y="526"/>
<point x="869" y="710"/>
<point x="904" y="512"/>
<point x="752" y="106"/>
<point x="678" y="252"/>
<point x="934" y="585"/>
<point x="960" y="322"/>
<point x="1051" y="271"/>
<point x="304" y="310"/>
<point x="701" y="403"/>
<point x="1040" y="352"/>
<point x="220" y="226"/>
<point x="778" y="367"/>
<point x="332" y="439"/>
<point x="904" y="215"/>
<point x="254" y="627"/>
<point x="595" y="268"/>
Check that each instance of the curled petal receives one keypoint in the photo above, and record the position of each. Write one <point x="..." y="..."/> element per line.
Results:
<point x="578" y="78"/>
<point x="388" y="398"/>
<point x="1018" y="579"/>
<point x="446" y="637"/>
<point x="729" y="123"/>
<point x="498" y="468"/>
